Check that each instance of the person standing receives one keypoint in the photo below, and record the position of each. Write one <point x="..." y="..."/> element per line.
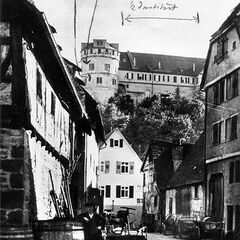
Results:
<point x="93" y="223"/>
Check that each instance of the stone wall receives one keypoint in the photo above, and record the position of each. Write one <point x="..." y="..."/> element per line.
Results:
<point x="14" y="175"/>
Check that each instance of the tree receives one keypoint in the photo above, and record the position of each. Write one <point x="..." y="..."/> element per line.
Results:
<point x="172" y="117"/>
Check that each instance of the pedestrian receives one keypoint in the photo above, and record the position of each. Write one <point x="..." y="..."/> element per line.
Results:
<point x="93" y="223"/>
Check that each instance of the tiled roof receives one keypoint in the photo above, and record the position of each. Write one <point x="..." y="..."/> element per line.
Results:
<point x="159" y="63"/>
<point x="191" y="169"/>
<point x="230" y="19"/>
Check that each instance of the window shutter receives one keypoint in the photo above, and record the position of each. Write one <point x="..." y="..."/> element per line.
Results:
<point x="131" y="167"/>
<point x="131" y="191"/>
<point x="118" y="191"/>
<point x="234" y="127"/>
<point x="229" y="217"/>
<point x="237" y="171"/>
<point x="111" y="142"/>
<point x="107" y="166"/>
<point x="121" y="143"/>
<point x="235" y="84"/>
<point x="231" y="172"/>
<point x="118" y="169"/>
<point x="108" y="191"/>
<point x="215" y="90"/>
<point x="225" y="47"/>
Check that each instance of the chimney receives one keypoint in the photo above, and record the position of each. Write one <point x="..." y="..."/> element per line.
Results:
<point x="177" y="155"/>
<point x="159" y="65"/>
<point x="134" y="62"/>
<point x="194" y="67"/>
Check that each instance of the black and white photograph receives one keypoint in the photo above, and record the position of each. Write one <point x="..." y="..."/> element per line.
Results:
<point x="119" y="119"/>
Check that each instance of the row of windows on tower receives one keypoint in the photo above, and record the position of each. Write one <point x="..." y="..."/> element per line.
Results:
<point x="106" y="67"/>
<point x="99" y="81"/>
<point x="99" y="51"/>
<point x="163" y="78"/>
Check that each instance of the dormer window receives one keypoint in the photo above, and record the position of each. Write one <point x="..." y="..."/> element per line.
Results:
<point x="99" y="43"/>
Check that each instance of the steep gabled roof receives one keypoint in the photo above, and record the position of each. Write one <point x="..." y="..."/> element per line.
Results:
<point x="234" y="20"/>
<point x="191" y="170"/>
<point x="108" y="135"/>
<point x="159" y="63"/>
<point x="38" y="34"/>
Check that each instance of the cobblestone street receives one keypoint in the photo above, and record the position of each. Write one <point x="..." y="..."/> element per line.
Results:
<point x="158" y="236"/>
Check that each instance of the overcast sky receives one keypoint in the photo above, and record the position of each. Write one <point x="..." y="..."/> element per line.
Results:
<point x="172" y="37"/>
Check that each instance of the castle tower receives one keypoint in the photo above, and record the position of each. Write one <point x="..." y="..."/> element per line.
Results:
<point x="100" y="62"/>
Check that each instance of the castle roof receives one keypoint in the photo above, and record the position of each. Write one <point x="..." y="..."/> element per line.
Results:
<point x="159" y="63"/>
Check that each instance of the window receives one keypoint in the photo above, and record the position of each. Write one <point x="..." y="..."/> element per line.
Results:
<point x="91" y="51"/>
<point x="154" y="77"/>
<point x="168" y="78"/>
<point x="222" y="50"/>
<point x="159" y="78"/>
<point x="102" y="165"/>
<point x="107" y="166"/>
<point x="53" y="104"/>
<point x="139" y="200"/>
<point x="216" y="128"/>
<point x="107" y="67"/>
<point x="99" y="80"/>
<point x="91" y="66"/>
<point x="226" y="88"/>
<point x="196" y="193"/>
<point x="124" y="191"/>
<point x="182" y="81"/>
<point x="99" y="50"/>
<point x="150" y="77"/>
<point x="114" y="81"/>
<point x="116" y="143"/>
<point x="234" y="46"/>
<point x="170" y="205"/>
<point x="163" y="78"/>
<point x="234" y="172"/>
<point x="39" y="85"/>
<point x="232" y="85"/>
<point x="174" y="79"/>
<point x="231" y="128"/>
<point x="108" y="191"/>
<point x="99" y="43"/>
<point x="127" y="86"/>
<point x="124" y="167"/>
<point x="139" y="77"/>
<point x="218" y="92"/>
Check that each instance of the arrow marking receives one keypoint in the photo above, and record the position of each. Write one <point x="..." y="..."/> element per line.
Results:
<point x="129" y="18"/>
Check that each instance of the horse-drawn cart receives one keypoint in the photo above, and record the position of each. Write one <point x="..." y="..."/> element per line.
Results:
<point x="186" y="226"/>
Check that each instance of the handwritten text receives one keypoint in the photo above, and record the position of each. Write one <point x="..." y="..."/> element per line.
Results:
<point x="139" y="5"/>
